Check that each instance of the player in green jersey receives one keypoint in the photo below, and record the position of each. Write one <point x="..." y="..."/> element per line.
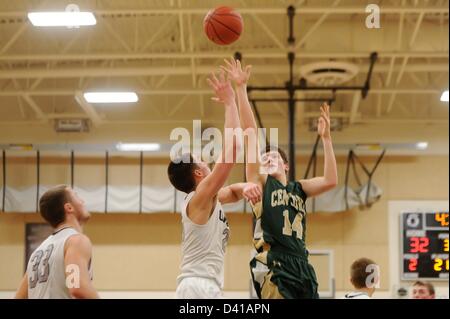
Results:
<point x="280" y="268"/>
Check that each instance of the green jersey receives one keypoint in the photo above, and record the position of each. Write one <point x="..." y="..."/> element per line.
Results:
<point x="280" y="268"/>
<point x="283" y="216"/>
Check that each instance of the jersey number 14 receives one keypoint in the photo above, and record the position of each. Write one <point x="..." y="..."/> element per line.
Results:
<point x="295" y="226"/>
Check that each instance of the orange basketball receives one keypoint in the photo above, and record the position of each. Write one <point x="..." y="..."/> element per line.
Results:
<point x="223" y="25"/>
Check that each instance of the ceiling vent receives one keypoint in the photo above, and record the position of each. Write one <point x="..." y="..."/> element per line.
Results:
<point x="328" y="73"/>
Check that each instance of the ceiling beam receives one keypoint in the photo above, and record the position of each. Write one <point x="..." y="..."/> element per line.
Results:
<point x="181" y="27"/>
<point x="21" y="30"/>
<point x="37" y="110"/>
<point x="14" y="38"/>
<point x="70" y="92"/>
<point x="155" y="35"/>
<point x="256" y="10"/>
<point x="116" y="35"/>
<point x="313" y="28"/>
<point x="355" y="105"/>
<point x="101" y="72"/>
<point x="263" y="54"/>
<point x="272" y="121"/>
<point x="180" y="103"/>
<point x="191" y="49"/>
<point x="416" y="29"/>
<point x="88" y="109"/>
<point x="265" y="28"/>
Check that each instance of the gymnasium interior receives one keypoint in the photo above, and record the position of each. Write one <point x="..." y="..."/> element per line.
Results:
<point x="383" y="65"/>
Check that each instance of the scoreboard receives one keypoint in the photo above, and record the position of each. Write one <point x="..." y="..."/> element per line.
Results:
<point x="425" y="245"/>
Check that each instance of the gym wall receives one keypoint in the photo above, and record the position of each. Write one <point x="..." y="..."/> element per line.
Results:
<point x="142" y="251"/>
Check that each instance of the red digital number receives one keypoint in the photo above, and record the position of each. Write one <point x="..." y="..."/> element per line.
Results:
<point x="419" y="244"/>
<point x="412" y="266"/>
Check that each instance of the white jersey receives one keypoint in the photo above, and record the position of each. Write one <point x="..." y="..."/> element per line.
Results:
<point x="203" y="246"/>
<point x="46" y="270"/>
<point x="356" y="295"/>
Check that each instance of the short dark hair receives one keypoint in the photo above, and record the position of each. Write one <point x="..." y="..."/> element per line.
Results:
<point x="270" y="148"/>
<point x="427" y="284"/>
<point x="358" y="272"/>
<point x="51" y="205"/>
<point x="180" y="172"/>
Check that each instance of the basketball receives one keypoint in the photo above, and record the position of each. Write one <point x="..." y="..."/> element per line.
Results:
<point x="223" y="25"/>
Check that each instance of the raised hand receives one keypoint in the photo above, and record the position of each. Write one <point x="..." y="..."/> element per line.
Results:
<point x="235" y="72"/>
<point x="323" y="126"/>
<point x="222" y="88"/>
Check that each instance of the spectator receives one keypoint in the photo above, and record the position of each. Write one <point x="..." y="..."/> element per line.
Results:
<point x="364" y="276"/>
<point x="423" y="290"/>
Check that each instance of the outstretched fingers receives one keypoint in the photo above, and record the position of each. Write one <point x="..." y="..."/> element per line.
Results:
<point x="222" y="77"/>
<point x="231" y="63"/>
<point x="248" y="70"/>
<point x="212" y="84"/>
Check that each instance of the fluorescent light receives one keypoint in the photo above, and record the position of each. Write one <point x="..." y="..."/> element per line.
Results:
<point x="422" y="145"/>
<point x="130" y="147"/>
<point x="444" y="96"/>
<point x="111" y="97"/>
<point x="61" y="19"/>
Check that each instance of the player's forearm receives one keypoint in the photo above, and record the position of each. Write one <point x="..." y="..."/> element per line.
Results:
<point x="231" y="115"/>
<point x="84" y="292"/>
<point x="22" y="292"/>
<point x="238" y="190"/>
<point x="330" y="167"/>
<point x="231" y="145"/>
<point x="245" y="109"/>
<point x="248" y="122"/>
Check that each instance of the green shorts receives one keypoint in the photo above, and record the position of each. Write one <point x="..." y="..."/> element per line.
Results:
<point x="283" y="275"/>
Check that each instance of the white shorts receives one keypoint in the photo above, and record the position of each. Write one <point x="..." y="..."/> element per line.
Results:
<point x="198" y="288"/>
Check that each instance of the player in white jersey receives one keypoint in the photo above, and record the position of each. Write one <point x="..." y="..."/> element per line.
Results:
<point x="205" y="227"/>
<point x="60" y="268"/>
<point x="364" y="276"/>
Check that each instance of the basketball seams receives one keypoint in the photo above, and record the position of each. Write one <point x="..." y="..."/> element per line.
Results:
<point x="224" y="25"/>
<point x="215" y="32"/>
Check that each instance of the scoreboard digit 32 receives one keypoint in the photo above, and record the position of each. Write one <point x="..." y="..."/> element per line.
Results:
<point x="425" y="245"/>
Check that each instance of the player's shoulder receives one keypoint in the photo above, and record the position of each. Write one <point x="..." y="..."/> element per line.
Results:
<point x="79" y="240"/>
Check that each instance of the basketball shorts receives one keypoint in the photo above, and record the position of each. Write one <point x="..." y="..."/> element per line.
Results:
<point x="280" y="275"/>
<point x="198" y="288"/>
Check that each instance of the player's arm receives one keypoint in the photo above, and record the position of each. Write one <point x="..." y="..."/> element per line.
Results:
<point x="317" y="185"/>
<point x="22" y="291"/>
<point x="240" y="77"/>
<point x="78" y="253"/>
<point x="235" y="192"/>
<point x="207" y="190"/>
